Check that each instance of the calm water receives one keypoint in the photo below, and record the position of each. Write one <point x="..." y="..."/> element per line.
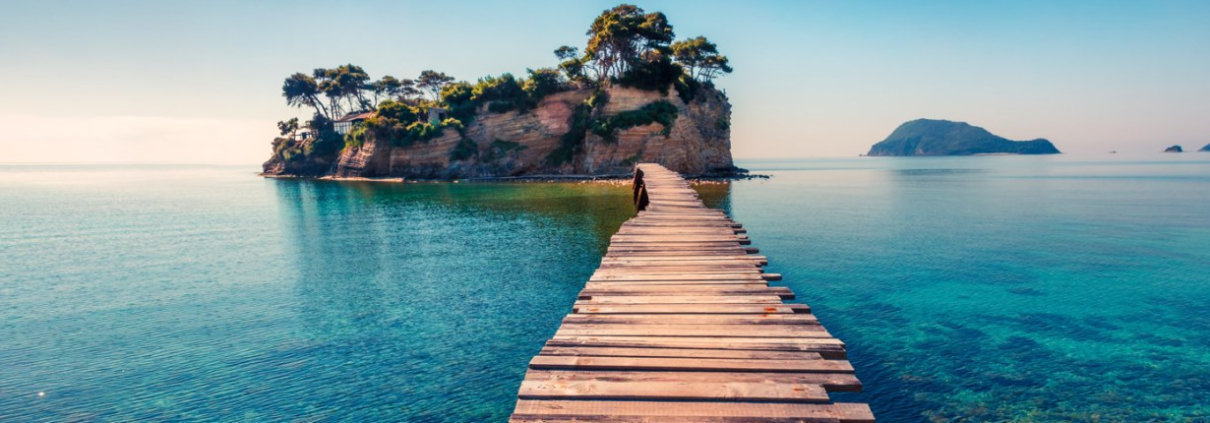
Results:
<point x="990" y="288"/>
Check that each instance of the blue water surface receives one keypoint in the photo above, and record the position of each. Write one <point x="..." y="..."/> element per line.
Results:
<point x="968" y="289"/>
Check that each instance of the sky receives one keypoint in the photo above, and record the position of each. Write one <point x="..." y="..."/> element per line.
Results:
<point x="199" y="81"/>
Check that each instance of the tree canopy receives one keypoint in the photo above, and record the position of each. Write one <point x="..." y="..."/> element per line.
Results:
<point x="301" y="90"/>
<point x="432" y="82"/>
<point x="620" y="37"/>
<point x="288" y="127"/>
<point x="700" y="58"/>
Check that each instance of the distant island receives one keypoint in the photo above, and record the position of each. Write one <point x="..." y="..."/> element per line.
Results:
<point x="1174" y="149"/>
<point x="933" y="137"/>
<point x="1206" y="148"/>
<point x="635" y="94"/>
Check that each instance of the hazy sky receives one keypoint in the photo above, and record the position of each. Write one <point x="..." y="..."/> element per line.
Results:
<point x="199" y="82"/>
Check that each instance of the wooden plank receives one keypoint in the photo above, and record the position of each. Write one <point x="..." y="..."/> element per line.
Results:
<point x="743" y="331"/>
<point x="695" y="319"/>
<point x="617" y="277"/>
<point x="845" y="414"/>
<point x="832" y="382"/>
<point x="739" y="309"/>
<point x="555" y="418"/>
<point x="680" y="271"/>
<point x="695" y="264"/>
<point x="714" y="391"/>
<point x="679" y="352"/>
<point x="687" y="284"/>
<point x="680" y="299"/>
<point x="550" y="362"/>
<point x="678" y="290"/>
<point x="829" y="348"/>
<point x="695" y="331"/>
<point x="622" y="257"/>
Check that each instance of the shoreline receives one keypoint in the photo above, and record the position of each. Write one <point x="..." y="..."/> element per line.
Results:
<point x="605" y="178"/>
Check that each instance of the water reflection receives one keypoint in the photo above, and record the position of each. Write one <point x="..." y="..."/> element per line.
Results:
<point x="428" y="299"/>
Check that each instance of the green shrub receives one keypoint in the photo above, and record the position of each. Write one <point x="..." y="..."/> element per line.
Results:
<point x="572" y="142"/>
<point x="420" y="131"/>
<point x="661" y="111"/>
<point x="357" y="136"/>
<point x="327" y="144"/>
<point x="398" y="111"/>
<point x="598" y="99"/>
<point x="686" y="88"/>
<point x="501" y="94"/>
<point x="453" y="123"/>
<point x="457" y="99"/>
<point x="652" y="75"/>
<point x="722" y="124"/>
<point x="543" y="82"/>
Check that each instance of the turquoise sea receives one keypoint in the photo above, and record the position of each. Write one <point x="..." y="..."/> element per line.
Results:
<point x="979" y="289"/>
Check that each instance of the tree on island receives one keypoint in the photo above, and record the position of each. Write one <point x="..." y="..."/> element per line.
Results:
<point x="570" y="63"/>
<point x="700" y="58"/>
<point x="432" y="82"/>
<point x="288" y="127"/>
<point x="623" y="37"/>
<point x="301" y="90"/>
<point x="348" y="83"/>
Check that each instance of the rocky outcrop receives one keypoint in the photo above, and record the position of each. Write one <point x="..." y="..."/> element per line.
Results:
<point x="542" y="141"/>
<point x="930" y="137"/>
<point x="290" y="158"/>
<point x="1174" y="149"/>
<point x="1206" y="148"/>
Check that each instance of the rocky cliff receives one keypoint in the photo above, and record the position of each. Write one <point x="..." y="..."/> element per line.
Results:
<point x="562" y="135"/>
<point x="930" y="137"/>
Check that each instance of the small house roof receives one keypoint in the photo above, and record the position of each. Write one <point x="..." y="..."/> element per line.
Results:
<point x="355" y="116"/>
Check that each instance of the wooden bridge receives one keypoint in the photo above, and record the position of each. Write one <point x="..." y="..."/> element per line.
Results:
<point x="679" y="324"/>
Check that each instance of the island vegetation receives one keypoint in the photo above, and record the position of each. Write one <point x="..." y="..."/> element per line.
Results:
<point x="933" y="137"/>
<point x="626" y="47"/>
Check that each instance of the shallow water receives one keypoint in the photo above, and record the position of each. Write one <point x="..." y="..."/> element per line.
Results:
<point x="995" y="288"/>
<point x="1002" y="288"/>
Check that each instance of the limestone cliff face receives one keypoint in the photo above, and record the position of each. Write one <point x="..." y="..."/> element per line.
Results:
<point x="522" y="144"/>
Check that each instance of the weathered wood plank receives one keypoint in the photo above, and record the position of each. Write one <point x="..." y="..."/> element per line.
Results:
<point x="689" y="364"/>
<point x="554" y="418"/>
<point x="739" y="309"/>
<point x="845" y="413"/>
<point x="715" y="391"/>
<point x="695" y="319"/>
<point x="681" y="299"/>
<point x="702" y="330"/>
<point x="833" y="382"/>
<point x="679" y="353"/>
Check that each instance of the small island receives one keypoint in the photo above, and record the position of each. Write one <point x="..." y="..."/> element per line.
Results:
<point x="1174" y="149"/>
<point x="634" y="94"/>
<point x="933" y="137"/>
<point x="1206" y="148"/>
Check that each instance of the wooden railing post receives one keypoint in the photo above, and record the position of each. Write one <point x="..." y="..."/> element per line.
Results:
<point x="640" y="191"/>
